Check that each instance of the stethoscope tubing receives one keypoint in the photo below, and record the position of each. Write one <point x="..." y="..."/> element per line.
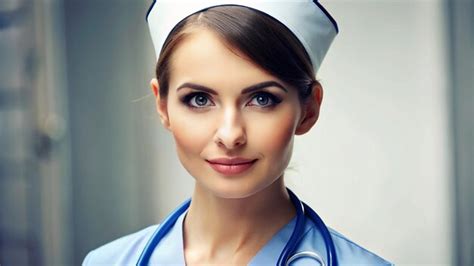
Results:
<point x="285" y="256"/>
<point x="160" y="232"/>
<point x="330" y="247"/>
<point x="303" y="209"/>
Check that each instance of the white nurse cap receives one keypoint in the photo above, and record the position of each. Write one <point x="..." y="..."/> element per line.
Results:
<point x="308" y="20"/>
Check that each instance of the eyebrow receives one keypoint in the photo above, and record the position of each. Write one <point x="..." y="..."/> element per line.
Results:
<point x="249" y="89"/>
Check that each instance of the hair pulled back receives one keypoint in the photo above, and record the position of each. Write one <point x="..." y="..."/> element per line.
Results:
<point x="262" y="39"/>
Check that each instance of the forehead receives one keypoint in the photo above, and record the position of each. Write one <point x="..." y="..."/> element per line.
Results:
<point x="204" y="57"/>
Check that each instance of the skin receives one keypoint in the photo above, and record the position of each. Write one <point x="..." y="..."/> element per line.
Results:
<point x="227" y="221"/>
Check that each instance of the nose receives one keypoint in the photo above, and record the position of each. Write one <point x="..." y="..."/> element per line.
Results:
<point x="230" y="133"/>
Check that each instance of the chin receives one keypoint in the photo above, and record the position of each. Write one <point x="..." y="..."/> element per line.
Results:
<point x="226" y="190"/>
<point x="233" y="193"/>
<point x="236" y="188"/>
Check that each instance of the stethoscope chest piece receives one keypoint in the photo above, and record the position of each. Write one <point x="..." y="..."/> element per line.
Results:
<point x="306" y="254"/>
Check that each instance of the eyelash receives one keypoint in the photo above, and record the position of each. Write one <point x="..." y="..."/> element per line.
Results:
<point x="274" y="99"/>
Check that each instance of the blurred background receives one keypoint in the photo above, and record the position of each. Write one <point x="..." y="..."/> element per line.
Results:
<point x="84" y="159"/>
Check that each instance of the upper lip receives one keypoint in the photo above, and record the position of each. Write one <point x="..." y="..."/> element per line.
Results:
<point x="230" y="161"/>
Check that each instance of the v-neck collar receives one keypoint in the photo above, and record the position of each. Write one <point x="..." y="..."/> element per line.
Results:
<point x="170" y="250"/>
<point x="269" y="254"/>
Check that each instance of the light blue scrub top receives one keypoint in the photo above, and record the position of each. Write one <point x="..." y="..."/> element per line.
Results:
<point x="169" y="251"/>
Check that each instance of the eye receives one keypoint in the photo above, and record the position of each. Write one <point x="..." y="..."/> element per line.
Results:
<point x="197" y="100"/>
<point x="264" y="100"/>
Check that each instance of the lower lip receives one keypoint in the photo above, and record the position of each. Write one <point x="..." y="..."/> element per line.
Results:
<point x="233" y="169"/>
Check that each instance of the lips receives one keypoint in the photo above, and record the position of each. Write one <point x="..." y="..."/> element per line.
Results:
<point x="228" y="161"/>
<point x="231" y="166"/>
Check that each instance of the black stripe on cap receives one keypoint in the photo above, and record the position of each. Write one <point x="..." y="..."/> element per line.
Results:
<point x="327" y="15"/>
<point x="149" y="10"/>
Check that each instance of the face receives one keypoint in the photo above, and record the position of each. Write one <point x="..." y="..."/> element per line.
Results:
<point x="233" y="123"/>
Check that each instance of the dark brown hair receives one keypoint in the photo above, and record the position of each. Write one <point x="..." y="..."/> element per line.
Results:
<point x="262" y="39"/>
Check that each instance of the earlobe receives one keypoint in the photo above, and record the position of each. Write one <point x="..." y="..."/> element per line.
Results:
<point x="310" y="112"/>
<point x="161" y="104"/>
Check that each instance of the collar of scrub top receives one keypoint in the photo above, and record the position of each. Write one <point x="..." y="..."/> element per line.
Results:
<point x="170" y="251"/>
<point x="306" y="19"/>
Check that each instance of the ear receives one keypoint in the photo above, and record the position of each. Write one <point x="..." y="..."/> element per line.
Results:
<point x="161" y="104"/>
<point x="310" y="110"/>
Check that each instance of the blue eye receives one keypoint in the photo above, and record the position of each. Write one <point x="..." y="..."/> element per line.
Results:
<point x="197" y="100"/>
<point x="264" y="100"/>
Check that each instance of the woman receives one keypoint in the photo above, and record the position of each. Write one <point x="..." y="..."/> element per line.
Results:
<point x="235" y="83"/>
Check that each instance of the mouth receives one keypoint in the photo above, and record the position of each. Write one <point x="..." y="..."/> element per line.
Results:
<point x="231" y="166"/>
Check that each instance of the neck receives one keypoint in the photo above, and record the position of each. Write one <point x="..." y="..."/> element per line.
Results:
<point x="222" y="226"/>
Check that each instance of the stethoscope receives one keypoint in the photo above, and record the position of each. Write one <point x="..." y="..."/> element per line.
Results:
<point x="285" y="258"/>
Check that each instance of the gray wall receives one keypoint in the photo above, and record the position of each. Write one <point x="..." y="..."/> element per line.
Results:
<point x="109" y="64"/>
<point x="461" y="14"/>
<point x="379" y="161"/>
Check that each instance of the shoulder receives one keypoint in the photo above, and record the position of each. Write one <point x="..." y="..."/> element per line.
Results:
<point x="351" y="253"/>
<point x="124" y="251"/>
<point x="348" y="252"/>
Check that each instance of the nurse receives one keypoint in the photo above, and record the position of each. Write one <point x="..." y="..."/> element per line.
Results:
<point x="235" y="82"/>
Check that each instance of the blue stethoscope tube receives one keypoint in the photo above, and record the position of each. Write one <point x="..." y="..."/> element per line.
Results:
<point x="302" y="210"/>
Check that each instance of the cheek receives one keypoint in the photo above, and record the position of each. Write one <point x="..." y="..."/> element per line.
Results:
<point x="190" y="131"/>
<point x="274" y="134"/>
